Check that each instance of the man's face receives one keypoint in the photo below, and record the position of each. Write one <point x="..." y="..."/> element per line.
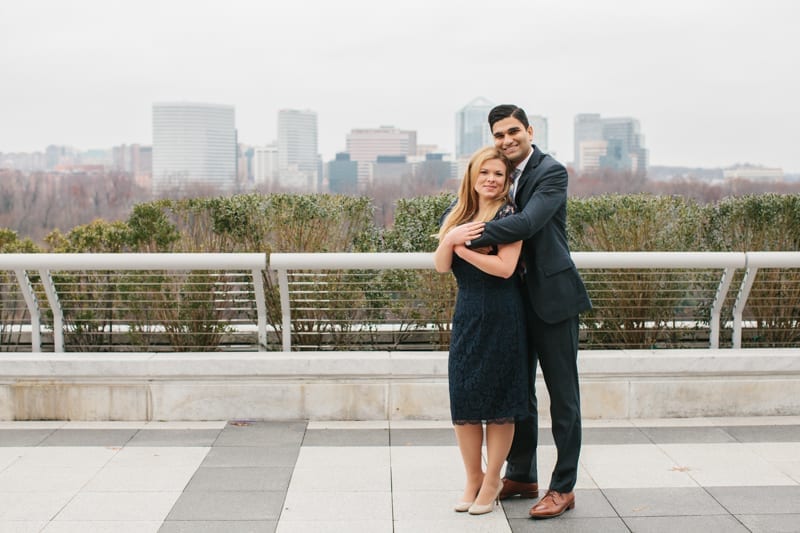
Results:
<point x="512" y="138"/>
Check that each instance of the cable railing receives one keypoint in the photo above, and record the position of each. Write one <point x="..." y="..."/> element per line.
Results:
<point x="374" y="301"/>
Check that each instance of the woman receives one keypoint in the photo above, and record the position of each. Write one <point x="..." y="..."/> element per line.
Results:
<point x="487" y="366"/>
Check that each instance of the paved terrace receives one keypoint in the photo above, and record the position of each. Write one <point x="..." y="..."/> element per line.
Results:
<point x="704" y="474"/>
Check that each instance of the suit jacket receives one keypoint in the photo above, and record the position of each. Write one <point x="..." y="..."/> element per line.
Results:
<point x="555" y="288"/>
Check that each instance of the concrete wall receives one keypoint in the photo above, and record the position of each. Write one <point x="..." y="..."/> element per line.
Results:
<point x="378" y="385"/>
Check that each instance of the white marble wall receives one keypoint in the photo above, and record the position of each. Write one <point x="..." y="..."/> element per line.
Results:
<point x="379" y="385"/>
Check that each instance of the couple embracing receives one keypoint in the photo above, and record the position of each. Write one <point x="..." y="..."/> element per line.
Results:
<point x="519" y="296"/>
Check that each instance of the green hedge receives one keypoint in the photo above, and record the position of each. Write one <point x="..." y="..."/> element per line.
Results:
<point x="329" y="223"/>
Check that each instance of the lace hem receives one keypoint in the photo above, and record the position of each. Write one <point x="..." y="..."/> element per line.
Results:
<point x="505" y="420"/>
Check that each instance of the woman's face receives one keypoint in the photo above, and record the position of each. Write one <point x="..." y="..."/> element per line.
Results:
<point x="491" y="179"/>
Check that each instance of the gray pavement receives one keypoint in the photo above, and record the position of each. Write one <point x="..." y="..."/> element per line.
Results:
<point x="706" y="475"/>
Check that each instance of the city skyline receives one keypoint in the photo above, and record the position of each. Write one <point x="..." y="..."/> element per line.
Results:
<point x="711" y="83"/>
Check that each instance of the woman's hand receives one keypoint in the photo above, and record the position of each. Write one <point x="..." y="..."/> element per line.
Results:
<point x="465" y="232"/>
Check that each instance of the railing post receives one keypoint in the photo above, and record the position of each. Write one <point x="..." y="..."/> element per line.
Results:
<point x="33" y="309"/>
<point x="261" y="308"/>
<point x="716" y="308"/>
<point x="55" y="307"/>
<point x="286" y="312"/>
<point x="741" y="301"/>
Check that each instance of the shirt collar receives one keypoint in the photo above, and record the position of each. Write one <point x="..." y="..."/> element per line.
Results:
<point x="524" y="162"/>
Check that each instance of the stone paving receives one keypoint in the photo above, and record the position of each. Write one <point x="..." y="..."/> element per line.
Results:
<point x="707" y="475"/>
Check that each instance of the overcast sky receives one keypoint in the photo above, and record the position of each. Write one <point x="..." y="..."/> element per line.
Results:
<point x="712" y="82"/>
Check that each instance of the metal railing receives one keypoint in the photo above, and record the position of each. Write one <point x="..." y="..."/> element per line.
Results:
<point x="322" y="301"/>
<point x="191" y="299"/>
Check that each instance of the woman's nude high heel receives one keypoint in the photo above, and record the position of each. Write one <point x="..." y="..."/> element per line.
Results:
<point x="462" y="507"/>
<point x="483" y="509"/>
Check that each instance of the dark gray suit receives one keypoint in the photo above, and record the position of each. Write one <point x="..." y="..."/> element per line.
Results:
<point x="555" y="295"/>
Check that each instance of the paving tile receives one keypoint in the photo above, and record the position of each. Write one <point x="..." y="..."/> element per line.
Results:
<point x="346" y="437"/>
<point x="563" y="524"/>
<point x="159" y="457"/>
<point x="776" y="452"/>
<point x="10" y="455"/>
<point x="423" y="437"/>
<point x="232" y="456"/>
<point x="249" y="478"/>
<point x="31" y="506"/>
<point x="186" y="424"/>
<point x="623" y="435"/>
<point x="463" y="523"/>
<point x="774" y="523"/>
<point x="346" y="478"/>
<point x="725" y="464"/>
<point x="23" y="437"/>
<point x="418" y="424"/>
<point x="433" y="456"/>
<point x="589" y="503"/>
<point x="754" y="421"/>
<point x="140" y="479"/>
<point x="758" y="500"/>
<point x="357" y="424"/>
<point x="353" y="525"/>
<point x="22" y="526"/>
<point x="426" y="505"/>
<point x="118" y="506"/>
<point x="671" y="524"/>
<point x="336" y="506"/>
<point x="310" y="456"/>
<point x="546" y="461"/>
<point x="765" y="433"/>
<point x="221" y="505"/>
<point x="174" y="437"/>
<point x="68" y="456"/>
<point x="219" y="526"/>
<point x="412" y="467"/>
<point x="102" y="527"/>
<point x="89" y="437"/>
<point x="259" y="433"/>
<point x="669" y="435"/>
<point x="633" y="466"/>
<point x="30" y="478"/>
<point x="663" y="502"/>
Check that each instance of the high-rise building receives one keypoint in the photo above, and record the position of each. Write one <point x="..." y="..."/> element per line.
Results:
<point x="343" y="175"/>
<point x="539" y="125"/>
<point x="265" y="165"/>
<point x="366" y="145"/>
<point x="193" y="144"/>
<point x="472" y="127"/>
<point x="133" y="158"/>
<point x="298" y="157"/>
<point x="609" y="143"/>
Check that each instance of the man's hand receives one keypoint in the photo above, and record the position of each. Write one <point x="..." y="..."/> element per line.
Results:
<point x="464" y="233"/>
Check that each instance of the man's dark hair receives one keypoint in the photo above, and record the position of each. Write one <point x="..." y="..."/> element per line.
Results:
<point x="508" y="110"/>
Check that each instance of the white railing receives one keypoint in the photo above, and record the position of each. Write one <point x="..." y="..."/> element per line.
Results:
<point x="728" y="262"/>
<point x="722" y="266"/>
<point x="47" y="264"/>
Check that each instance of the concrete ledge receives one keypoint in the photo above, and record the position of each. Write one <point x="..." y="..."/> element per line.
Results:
<point x="378" y="385"/>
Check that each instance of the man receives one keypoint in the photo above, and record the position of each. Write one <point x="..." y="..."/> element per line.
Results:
<point x="554" y="294"/>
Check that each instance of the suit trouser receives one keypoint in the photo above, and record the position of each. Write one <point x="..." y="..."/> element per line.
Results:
<point x="555" y="347"/>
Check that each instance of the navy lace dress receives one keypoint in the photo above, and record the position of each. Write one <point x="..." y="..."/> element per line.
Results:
<point x="487" y="366"/>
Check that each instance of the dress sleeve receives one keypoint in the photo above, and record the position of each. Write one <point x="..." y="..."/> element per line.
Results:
<point x="505" y="211"/>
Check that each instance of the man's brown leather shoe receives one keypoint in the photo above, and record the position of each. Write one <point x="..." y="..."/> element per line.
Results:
<point x="518" y="488"/>
<point x="553" y="504"/>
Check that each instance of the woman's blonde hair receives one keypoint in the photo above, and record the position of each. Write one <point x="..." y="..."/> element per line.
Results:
<point x="467" y="202"/>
